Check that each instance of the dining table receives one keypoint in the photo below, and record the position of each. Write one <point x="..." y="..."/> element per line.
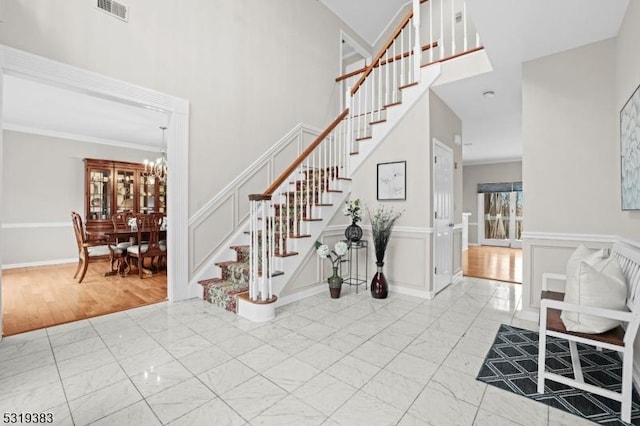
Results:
<point x="123" y="235"/>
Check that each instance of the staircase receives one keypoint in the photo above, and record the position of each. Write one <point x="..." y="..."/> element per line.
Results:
<point x="290" y="215"/>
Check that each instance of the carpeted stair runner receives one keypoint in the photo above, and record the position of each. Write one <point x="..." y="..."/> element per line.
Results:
<point x="234" y="280"/>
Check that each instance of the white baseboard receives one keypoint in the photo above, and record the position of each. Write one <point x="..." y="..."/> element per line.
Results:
<point x="311" y="291"/>
<point x="457" y="277"/>
<point x="423" y="294"/>
<point x="39" y="263"/>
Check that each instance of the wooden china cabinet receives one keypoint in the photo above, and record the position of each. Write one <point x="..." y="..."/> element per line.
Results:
<point x="116" y="186"/>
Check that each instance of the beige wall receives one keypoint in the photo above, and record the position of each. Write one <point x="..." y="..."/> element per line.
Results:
<point x="571" y="163"/>
<point x="408" y="257"/>
<point x="484" y="173"/>
<point x="570" y="154"/>
<point x="251" y="70"/>
<point x="43" y="182"/>
<point x="627" y="63"/>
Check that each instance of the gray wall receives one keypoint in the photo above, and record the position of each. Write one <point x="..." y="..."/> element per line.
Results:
<point x="484" y="173"/>
<point x="43" y="182"/>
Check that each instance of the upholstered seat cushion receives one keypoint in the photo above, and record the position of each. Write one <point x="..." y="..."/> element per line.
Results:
<point x="124" y="245"/>
<point x="142" y="248"/>
<point x="98" y="250"/>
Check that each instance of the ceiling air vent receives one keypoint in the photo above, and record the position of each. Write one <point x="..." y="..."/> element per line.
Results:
<point x="114" y="8"/>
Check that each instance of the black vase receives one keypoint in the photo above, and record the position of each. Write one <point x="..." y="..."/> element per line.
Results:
<point x="353" y="232"/>
<point x="379" y="286"/>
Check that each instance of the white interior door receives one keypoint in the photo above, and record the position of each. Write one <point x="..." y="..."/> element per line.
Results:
<point x="443" y="216"/>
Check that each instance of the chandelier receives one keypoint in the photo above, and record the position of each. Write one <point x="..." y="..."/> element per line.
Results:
<point x="157" y="169"/>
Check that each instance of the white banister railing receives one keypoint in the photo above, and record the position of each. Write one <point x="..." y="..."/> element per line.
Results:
<point x="279" y="214"/>
<point x="398" y="64"/>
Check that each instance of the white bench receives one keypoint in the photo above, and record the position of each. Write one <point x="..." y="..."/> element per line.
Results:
<point x="620" y="339"/>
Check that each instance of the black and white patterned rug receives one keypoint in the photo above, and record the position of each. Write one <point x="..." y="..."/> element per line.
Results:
<point x="512" y="365"/>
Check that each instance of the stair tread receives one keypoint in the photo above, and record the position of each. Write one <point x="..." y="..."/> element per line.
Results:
<point x="287" y="254"/>
<point x="363" y="138"/>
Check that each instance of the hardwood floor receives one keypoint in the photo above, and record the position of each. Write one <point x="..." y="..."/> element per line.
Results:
<point x="495" y="263"/>
<point x="43" y="296"/>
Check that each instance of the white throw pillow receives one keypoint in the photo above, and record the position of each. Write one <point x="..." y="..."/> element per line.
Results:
<point x="600" y="284"/>
<point x="581" y="253"/>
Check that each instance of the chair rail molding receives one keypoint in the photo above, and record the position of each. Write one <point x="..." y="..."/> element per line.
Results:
<point x="561" y="236"/>
<point x="47" y="71"/>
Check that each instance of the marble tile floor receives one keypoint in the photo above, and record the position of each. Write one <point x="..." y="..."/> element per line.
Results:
<point x="348" y="361"/>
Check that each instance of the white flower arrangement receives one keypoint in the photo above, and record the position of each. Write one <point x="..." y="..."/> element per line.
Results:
<point x="335" y="256"/>
<point x="352" y="209"/>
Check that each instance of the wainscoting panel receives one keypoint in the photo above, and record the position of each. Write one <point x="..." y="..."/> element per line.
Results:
<point x="545" y="252"/>
<point x="225" y="214"/>
<point x="211" y="232"/>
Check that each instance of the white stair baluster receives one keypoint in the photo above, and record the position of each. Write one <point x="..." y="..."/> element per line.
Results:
<point x="417" y="48"/>
<point x="441" y="41"/>
<point x="431" y="48"/>
<point x="464" y="28"/>
<point x="402" y="71"/>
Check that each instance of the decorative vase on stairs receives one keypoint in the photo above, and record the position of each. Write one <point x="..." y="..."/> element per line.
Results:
<point x="335" y="283"/>
<point x="379" y="286"/>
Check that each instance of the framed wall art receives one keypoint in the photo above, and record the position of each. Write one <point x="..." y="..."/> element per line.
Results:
<point x="392" y="181"/>
<point x="630" y="152"/>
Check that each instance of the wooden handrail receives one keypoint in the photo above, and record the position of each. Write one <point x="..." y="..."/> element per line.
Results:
<point x="382" y="51"/>
<point x="386" y="46"/>
<point x="395" y="58"/>
<point x="409" y="53"/>
<point x="298" y="161"/>
<point x="351" y="74"/>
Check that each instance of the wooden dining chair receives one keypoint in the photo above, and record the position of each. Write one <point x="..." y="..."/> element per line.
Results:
<point x="149" y="226"/>
<point x="118" y="249"/>
<point x="89" y="250"/>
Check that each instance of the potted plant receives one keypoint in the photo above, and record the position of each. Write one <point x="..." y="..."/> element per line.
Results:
<point x="382" y="221"/>
<point x="353" y="210"/>
<point x="335" y="256"/>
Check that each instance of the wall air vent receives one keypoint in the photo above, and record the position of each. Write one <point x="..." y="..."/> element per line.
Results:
<point x="114" y="8"/>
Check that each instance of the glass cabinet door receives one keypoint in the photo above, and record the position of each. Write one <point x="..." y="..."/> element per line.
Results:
<point x="125" y="190"/>
<point x="100" y="194"/>
<point x="162" y="197"/>
<point x="147" y="194"/>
